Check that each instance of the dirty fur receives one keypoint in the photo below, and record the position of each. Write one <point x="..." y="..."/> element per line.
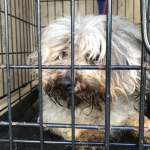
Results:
<point x="90" y="49"/>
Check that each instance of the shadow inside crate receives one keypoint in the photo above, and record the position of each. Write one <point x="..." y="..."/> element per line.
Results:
<point x="33" y="133"/>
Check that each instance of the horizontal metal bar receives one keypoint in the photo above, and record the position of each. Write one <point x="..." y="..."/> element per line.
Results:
<point x="113" y="67"/>
<point x="76" y="143"/>
<point x="83" y="126"/>
<point x="15" y="53"/>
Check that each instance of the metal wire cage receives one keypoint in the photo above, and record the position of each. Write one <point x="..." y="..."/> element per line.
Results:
<point x="20" y="31"/>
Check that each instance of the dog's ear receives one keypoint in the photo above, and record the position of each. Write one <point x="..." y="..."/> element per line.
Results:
<point x="32" y="59"/>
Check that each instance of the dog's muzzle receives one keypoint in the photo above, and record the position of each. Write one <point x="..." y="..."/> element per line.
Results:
<point x="65" y="83"/>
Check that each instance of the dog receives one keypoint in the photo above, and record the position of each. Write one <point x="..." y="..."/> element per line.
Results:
<point x="90" y="49"/>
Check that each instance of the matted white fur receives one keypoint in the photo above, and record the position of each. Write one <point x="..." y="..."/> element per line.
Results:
<point x="120" y="112"/>
<point x="90" y="49"/>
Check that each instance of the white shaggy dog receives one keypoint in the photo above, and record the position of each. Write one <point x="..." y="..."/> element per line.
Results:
<point x="90" y="49"/>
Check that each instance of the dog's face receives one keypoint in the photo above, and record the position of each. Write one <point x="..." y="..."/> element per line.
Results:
<point x="89" y="49"/>
<point x="88" y="83"/>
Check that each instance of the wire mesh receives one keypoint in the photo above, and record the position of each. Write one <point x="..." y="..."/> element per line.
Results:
<point x="23" y="33"/>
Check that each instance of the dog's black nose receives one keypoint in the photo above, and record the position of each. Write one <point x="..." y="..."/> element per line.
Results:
<point x="65" y="83"/>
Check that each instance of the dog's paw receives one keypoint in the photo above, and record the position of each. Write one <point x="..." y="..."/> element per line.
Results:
<point x="147" y="137"/>
<point x="90" y="135"/>
<point x="146" y="130"/>
<point x="89" y="148"/>
<point x="147" y="140"/>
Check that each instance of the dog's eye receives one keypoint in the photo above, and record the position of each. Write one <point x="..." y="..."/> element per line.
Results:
<point x="91" y="60"/>
<point x="63" y="54"/>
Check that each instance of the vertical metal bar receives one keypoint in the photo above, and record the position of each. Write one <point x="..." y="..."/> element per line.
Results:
<point x="47" y="13"/>
<point x="27" y="46"/>
<point x="62" y="8"/>
<point x="32" y="21"/>
<point x="8" y="74"/>
<point x="144" y="23"/>
<point x="12" y="44"/>
<point x="72" y="75"/>
<point x="117" y="7"/>
<point x="93" y="6"/>
<point x="85" y="7"/>
<point x="125" y="9"/>
<point x="20" y="41"/>
<point x="17" y="46"/>
<point x="78" y="5"/>
<point x="142" y="98"/>
<point x="1" y="32"/>
<point x="30" y="8"/>
<point x="133" y="11"/>
<point x="35" y="23"/>
<point x="34" y="9"/>
<point x="27" y="33"/>
<point x="108" y="74"/>
<point x="23" y="17"/>
<point x="40" y="75"/>
<point x="55" y="8"/>
<point x="142" y="89"/>
<point x="27" y="12"/>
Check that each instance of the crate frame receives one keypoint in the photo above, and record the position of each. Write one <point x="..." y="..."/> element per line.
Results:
<point x="108" y="67"/>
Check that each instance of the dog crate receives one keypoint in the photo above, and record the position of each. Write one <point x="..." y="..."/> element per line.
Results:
<point x="21" y="25"/>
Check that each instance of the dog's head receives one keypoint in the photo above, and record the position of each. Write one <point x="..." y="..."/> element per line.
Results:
<point x="89" y="49"/>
